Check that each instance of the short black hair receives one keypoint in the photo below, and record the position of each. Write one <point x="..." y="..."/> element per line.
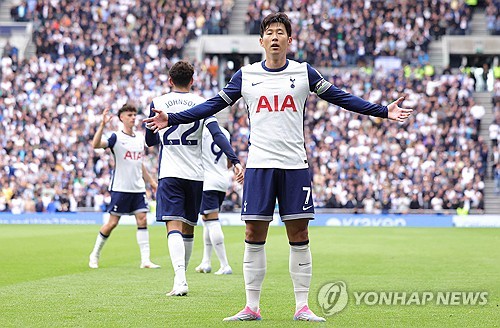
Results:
<point x="181" y="73"/>
<point x="126" y="108"/>
<point x="279" y="17"/>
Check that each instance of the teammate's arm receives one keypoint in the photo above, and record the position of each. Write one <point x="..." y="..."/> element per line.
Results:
<point x="147" y="177"/>
<point x="327" y="91"/>
<point x="222" y="142"/>
<point x="151" y="137"/>
<point x="225" y="97"/>
<point x="97" y="141"/>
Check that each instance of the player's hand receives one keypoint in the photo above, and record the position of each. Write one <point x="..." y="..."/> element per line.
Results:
<point x="157" y="122"/>
<point x="154" y="186"/>
<point x="397" y="113"/>
<point x="239" y="173"/>
<point x="105" y="117"/>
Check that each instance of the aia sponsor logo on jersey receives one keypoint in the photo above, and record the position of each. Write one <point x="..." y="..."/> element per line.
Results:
<point x="275" y="104"/>
<point x="133" y="155"/>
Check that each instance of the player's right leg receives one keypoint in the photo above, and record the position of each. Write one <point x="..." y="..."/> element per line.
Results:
<point x="175" y="199"/>
<point x="254" y="270"/>
<point x="101" y="239"/>
<point x="177" y="256"/>
<point x="257" y="212"/>
<point x="210" y="205"/>
<point x="206" y="262"/>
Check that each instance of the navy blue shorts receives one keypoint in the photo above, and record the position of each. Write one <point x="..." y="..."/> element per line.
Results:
<point x="211" y="201"/>
<point x="178" y="200"/>
<point x="292" y="188"/>
<point x="127" y="203"/>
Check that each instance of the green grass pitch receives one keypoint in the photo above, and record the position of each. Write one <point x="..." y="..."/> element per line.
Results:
<point x="45" y="281"/>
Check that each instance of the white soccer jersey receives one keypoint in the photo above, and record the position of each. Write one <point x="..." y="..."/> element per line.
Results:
<point x="216" y="174"/>
<point x="180" y="150"/>
<point x="128" y="152"/>
<point x="276" y="101"/>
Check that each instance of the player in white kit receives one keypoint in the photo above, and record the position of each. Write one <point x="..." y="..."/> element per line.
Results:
<point x="215" y="184"/>
<point x="275" y="92"/>
<point x="128" y="190"/>
<point x="181" y="174"/>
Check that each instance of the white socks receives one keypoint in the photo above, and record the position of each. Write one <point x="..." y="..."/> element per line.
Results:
<point x="177" y="256"/>
<point x="254" y="270"/>
<point x="143" y="242"/>
<point x="207" y="249"/>
<point x="99" y="244"/>
<point x="300" y="266"/>
<point x="188" y="248"/>
<point x="217" y="240"/>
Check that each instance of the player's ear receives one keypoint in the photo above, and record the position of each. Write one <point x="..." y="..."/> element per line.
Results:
<point x="289" y="40"/>
<point x="261" y="42"/>
<point x="170" y="82"/>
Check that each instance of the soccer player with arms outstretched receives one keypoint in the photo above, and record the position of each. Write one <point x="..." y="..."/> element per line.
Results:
<point x="275" y="91"/>
<point x="128" y="190"/>
<point x="180" y="184"/>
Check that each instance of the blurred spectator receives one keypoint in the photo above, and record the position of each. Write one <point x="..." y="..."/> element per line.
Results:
<point x="344" y="32"/>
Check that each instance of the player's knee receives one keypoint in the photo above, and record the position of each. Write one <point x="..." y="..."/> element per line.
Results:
<point x="254" y="235"/>
<point x="298" y="234"/>
<point x="111" y="225"/>
<point x="142" y="222"/>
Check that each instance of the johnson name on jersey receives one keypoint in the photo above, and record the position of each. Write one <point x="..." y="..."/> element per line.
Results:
<point x="180" y="145"/>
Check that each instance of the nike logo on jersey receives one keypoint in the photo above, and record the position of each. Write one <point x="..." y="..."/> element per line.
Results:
<point x="255" y="83"/>
<point x="305" y="208"/>
<point x="302" y="264"/>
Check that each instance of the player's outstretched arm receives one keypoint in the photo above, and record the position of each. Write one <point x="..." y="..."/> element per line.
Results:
<point x="152" y="138"/>
<point x="157" y="122"/>
<point x="396" y="113"/>
<point x="97" y="141"/>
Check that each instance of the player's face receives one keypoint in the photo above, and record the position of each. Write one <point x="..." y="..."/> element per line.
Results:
<point x="275" y="40"/>
<point x="128" y="118"/>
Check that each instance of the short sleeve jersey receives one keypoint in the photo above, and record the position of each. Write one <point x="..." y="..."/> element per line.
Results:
<point x="128" y="151"/>
<point x="180" y="145"/>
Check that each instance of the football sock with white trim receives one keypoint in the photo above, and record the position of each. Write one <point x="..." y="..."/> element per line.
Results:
<point x="99" y="244"/>
<point x="254" y="271"/>
<point x="177" y="253"/>
<point x="300" y="266"/>
<point x="142" y="236"/>
<point x="207" y="249"/>
<point x="217" y="240"/>
<point x="188" y="247"/>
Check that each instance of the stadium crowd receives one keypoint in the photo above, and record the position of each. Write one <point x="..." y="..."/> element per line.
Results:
<point x="493" y="16"/>
<point x="344" y="32"/>
<point x="102" y="54"/>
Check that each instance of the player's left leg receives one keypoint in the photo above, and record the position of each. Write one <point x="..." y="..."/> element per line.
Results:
<point x="212" y="224"/>
<point x="300" y="266"/>
<point x="296" y="209"/>
<point x="206" y="262"/>
<point x="142" y="236"/>
<point x="188" y="239"/>
<point x="101" y="239"/>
